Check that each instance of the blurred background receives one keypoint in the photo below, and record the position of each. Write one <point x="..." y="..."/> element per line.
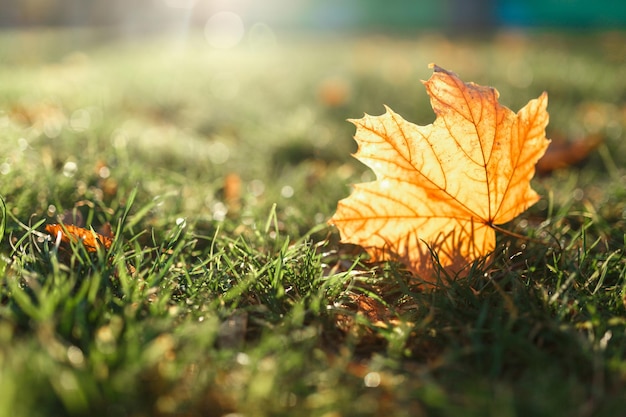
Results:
<point x="187" y="97"/>
<point x="453" y="15"/>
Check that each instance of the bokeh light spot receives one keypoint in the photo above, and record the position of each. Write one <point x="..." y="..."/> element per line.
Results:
<point x="372" y="379"/>
<point x="75" y="356"/>
<point x="287" y="191"/>
<point x="22" y="143"/>
<point x="243" y="359"/>
<point x="218" y="153"/>
<point x="80" y="120"/>
<point x="67" y="381"/>
<point x="219" y="210"/>
<point x="224" y="30"/>
<point x="70" y="168"/>
<point x="52" y="127"/>
<point x="119" y="139"/>
<point x="104" y="172"/>
<point x="261" y="37"/>
<point x="578" y="194"/>
<point x="256" y="187"/>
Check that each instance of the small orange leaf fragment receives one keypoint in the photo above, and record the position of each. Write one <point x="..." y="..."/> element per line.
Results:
<point x="445" y="185"/>
<point x="69" y="233"/>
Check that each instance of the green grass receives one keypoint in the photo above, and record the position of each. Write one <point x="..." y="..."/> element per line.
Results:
<point x="208" y="306"/>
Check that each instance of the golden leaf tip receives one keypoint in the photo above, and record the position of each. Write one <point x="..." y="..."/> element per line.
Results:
<point x="436" y="68"/>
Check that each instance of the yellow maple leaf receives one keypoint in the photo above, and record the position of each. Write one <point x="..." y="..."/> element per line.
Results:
<point x="443" y="186"/>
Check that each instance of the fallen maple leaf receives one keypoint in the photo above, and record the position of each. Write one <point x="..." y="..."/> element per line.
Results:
<point x="443" y="187"/>
<point x="68" y="233"/>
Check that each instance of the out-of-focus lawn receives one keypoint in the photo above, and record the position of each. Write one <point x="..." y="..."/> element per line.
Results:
<point x="226" y="293"/>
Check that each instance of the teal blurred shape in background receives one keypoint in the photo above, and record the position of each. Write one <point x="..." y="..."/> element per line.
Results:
<point x="386" y="15"/>
<point x="562" y="13"/>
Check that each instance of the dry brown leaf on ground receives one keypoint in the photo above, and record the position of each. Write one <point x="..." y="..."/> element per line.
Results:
<point x="69" y="233"/>
<point x="64" y="235"/>
<point x="443" y="186"/>
<point x="563" y="153"/>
